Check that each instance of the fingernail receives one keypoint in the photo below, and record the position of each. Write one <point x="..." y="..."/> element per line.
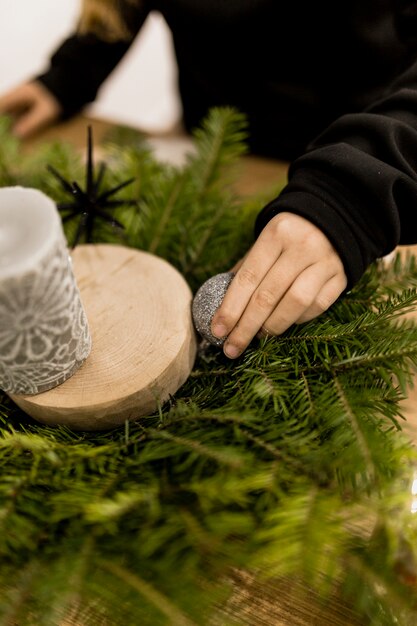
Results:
<point x="231" y="351"/>
<point x="219" y="331"/>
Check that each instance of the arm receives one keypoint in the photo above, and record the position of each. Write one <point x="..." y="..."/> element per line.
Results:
<point x="357" y="186"/>
<point x="77" y="69"/>
<point x="358" y="181"/>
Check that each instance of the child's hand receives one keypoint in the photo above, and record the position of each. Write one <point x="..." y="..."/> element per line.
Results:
<point x="32" y="106"/>
<point x="291" y="274"/>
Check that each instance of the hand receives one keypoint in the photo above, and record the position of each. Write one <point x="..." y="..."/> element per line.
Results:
<point x="32" y="106"/>
<point x="291" y="274"/>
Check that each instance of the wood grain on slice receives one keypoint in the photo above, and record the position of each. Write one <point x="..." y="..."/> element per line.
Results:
<point x="144" y="344"/>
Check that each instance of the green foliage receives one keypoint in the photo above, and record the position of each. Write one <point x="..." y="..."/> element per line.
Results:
<point x="289" y="462"/>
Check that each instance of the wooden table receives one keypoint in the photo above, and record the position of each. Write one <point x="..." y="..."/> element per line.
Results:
<point x="285" y="603"/>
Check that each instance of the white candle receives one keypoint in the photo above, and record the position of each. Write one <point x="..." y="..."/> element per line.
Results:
<point x="44" y="335"/>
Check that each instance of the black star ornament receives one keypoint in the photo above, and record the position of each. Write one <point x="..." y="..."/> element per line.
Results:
<point x="91" y="205"/>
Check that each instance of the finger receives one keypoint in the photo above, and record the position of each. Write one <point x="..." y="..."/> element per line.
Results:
<point x="264" y="300"/>
<point x="35" y="119"/>
<point x="299" y="298"/>
<point x="238" y="265"/>
<point x="12" y="103"/>
<point x="325" y="298"/>
<point x="263" y="332"/>
<point x="260" y="258"/>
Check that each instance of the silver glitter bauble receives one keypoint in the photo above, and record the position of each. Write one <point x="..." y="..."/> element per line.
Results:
<point x="206" y="302"/>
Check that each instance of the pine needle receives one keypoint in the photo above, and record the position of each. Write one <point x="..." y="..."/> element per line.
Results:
<point x="271" y="462"/>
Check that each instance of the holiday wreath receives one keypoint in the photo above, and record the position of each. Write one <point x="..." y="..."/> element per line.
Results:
<point x="290" y="462"/>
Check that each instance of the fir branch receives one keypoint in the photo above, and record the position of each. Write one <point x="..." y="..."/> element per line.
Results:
<point x="152" y="595"/>
<point x="308" y="516"/>
<point x="219" y="141"/>
<point x="14" y="599"/>
<point x="222" y="457"/>
<point x="309" y="397"/>
<point x="166" y="216"/>
<point x="9" y="154"/>
<point x="205" y="240"/>
<point x="266" y="460"/>
<point x="357" y="430"/>
<point x="388" y="608"/>
<point x="398" y="275"/>
<point x="73" y="572"/>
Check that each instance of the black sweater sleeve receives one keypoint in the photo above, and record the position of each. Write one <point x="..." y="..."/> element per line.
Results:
<point x="358" y="180"/>
<point x="83" y="62"/>
<point x="78" y="68"/>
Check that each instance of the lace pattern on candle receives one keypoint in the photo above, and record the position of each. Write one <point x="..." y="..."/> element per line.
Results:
<point x="44" y="335"/>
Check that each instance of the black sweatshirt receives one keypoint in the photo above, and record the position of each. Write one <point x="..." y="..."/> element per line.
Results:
<point x="331" y="86"/>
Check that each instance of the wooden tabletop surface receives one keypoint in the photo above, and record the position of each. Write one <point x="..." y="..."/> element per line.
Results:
<point x="284" y="603"/>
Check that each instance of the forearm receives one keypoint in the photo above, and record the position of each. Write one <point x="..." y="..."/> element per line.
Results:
<point x="78" y="68"/>
<point x="83" y="62"/>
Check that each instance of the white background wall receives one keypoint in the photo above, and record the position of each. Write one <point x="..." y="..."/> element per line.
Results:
<point x="142" y="90"/>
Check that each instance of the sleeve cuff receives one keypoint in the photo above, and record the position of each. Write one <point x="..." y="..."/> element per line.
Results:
<point x="329" y="208"/>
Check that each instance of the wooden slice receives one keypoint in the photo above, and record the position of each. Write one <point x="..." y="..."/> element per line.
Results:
<point x="144" y="344"/>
